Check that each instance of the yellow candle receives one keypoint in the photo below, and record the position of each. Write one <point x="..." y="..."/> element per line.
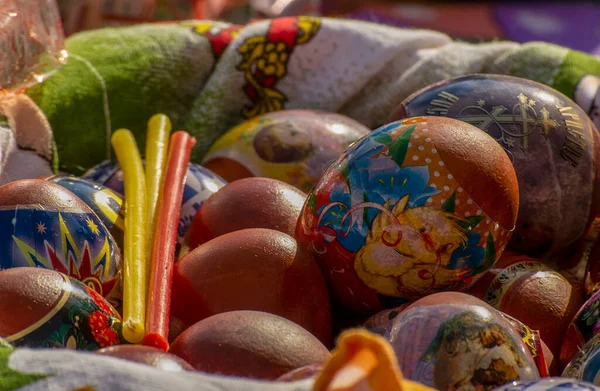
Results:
<point x="157" y="146"/>
<point x="134" y="246"/>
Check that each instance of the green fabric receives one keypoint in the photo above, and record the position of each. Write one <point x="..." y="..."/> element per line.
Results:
<point x="146" y="69"/>
<point x="575" y="66"/>
<point x="536" y="61"/>
<point x="10" y="379"/>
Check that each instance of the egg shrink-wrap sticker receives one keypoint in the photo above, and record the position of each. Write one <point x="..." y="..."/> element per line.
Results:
<point x="31" y="41"/>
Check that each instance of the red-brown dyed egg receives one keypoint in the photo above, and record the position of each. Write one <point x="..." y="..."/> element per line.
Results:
<point x="149" y="356"/>
<point x="534" y="293"/>
<point x="416" y="207"/>
<point x="248" y="344"/>
<point x="252" y="269"/>
<point x="42" y="308"/>
<point x="246" y="203"/>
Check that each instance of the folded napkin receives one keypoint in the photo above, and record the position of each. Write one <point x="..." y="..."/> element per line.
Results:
<point x="209" y="76"/>
<point x="361" y="361"/>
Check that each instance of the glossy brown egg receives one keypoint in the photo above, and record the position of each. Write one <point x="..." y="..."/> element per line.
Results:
<point x="534" y="293"/>
<point x="246" y="203"/>
<point x="149" y="356"/>
<point x="249" y="344"/>
<point x="38" y="191"/>
<point x="253" y="269"/>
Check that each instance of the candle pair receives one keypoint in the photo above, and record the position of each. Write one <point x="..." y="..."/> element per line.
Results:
<point x="153" y="199"/>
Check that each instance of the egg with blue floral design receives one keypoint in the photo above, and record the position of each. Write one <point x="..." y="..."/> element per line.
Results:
<point x="200" y="183"/>
<point x="416" y="207"/>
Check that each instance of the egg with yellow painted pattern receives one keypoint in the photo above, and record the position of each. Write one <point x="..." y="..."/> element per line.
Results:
<point x="293" y="146"/>
<point x="416" y="207"/>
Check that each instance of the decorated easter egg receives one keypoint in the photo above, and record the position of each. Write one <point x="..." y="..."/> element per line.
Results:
<point x="549" y="139"/>
<point x="252" y="269"/>
<point x="586" y="363"/>
<point x="149" y="356"/>
<point x="416" y="207"/>
<point x="465" y="344"/>
<point x="200" y="183"/>
<point x="107" y="204"/>
<point x="294" y="146"/>
<point x="383" y="322"/>
<point x="592" y="275"/>
<point x="249" y="344"/>
<point x="246" y="203"/>
<point x="42" y="308"/>
<point x="42" y="224"/>
<point x="534" y="293"/>
<point x="583" y="327"/>
<point x="549" y="384"/>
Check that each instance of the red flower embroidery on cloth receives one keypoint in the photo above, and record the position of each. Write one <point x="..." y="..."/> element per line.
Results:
<point x="218" y="34"/>
<point x="265" y="60"/>
<point x="101" y="330"/>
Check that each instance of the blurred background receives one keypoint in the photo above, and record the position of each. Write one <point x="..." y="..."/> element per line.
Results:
<point x="567" y="23"/>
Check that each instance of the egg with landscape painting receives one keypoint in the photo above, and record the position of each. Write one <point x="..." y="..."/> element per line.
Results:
<point x="416" y="207"/>
<point x="466" y="344"/>
<point x="550" y="140"/>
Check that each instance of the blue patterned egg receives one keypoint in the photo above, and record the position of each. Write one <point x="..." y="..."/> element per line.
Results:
<point x="200" y="184"/>
<point x="107" y="204"/>
<point x="586" y="363"/>
<point x="44" y="225"/>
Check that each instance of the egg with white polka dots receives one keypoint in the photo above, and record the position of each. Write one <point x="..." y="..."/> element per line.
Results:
<point x="416" y="207"/>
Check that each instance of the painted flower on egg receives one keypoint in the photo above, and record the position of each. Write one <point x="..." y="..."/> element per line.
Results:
<point x="390" y="211"/>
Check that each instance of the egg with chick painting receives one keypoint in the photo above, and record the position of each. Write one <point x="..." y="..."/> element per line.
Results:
<point x="413" y="208"/>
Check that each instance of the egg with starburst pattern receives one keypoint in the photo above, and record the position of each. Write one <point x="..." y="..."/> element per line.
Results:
<point x="44" y="225"/>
